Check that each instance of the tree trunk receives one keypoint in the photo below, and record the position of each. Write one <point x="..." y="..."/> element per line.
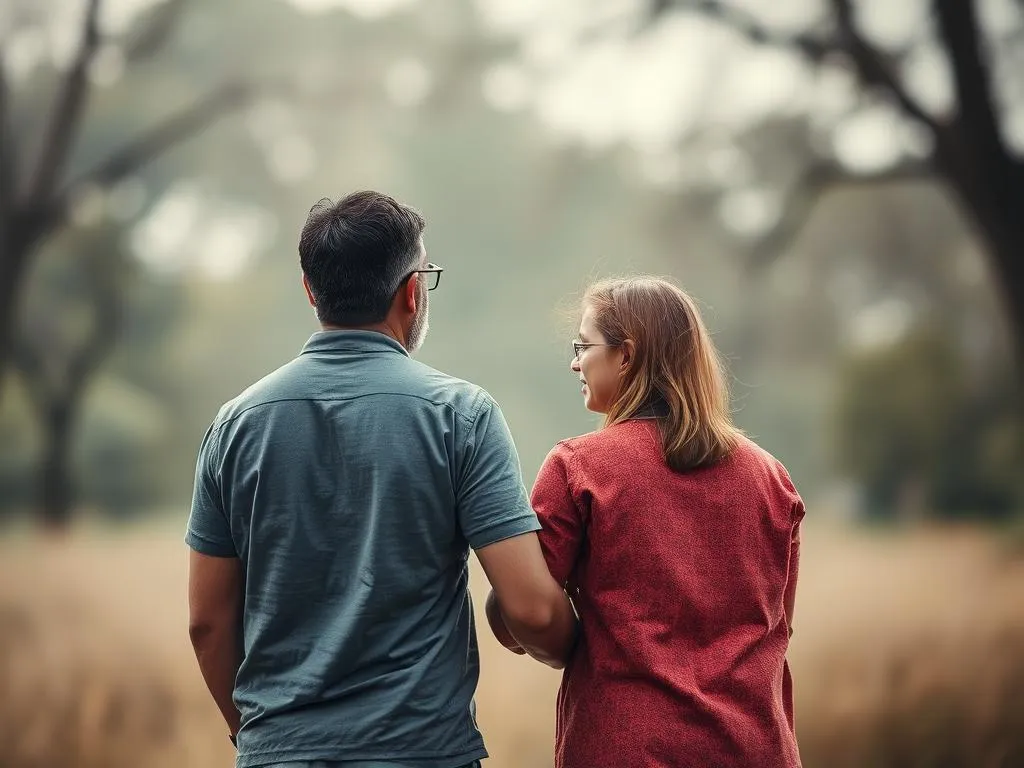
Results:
<point x="14" y="253"/>
<point x="1002" y="230"/>
<point x="56" y="489"/>
<point x="1008" y="271"/>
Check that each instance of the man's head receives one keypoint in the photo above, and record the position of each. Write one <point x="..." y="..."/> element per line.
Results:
<point x="359" y="258"/>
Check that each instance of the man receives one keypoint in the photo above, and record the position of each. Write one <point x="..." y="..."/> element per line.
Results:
<point x="335" y="504"/>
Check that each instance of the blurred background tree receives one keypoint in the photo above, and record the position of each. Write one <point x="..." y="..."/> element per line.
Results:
<point x="922" y="437"/>
<point x="817" y="173"/>
<point x="832" y="132"/>
<point x="939" y="82"/>
<point x="545" y="146"/>
<point x="86" y="299"/>
<point x="36" y="198"/>
<point x="68" y="335"/>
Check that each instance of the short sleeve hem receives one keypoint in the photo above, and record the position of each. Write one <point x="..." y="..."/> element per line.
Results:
<point x="207" y="547"/>
<point x="506" y="529"/>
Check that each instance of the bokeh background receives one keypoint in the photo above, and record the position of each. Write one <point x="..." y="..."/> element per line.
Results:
<point x="839" y="183"/>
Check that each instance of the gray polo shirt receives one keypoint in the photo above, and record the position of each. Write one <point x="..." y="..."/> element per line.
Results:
<point x="352" y="483"/>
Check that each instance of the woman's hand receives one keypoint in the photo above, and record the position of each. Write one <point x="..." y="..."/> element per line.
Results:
<point x="497" y="624"/>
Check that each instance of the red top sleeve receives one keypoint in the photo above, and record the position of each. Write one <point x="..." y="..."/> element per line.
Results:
<point x="562" y="522"/>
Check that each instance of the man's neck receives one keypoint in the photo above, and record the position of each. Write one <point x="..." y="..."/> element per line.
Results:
<point x="384" y="328"/>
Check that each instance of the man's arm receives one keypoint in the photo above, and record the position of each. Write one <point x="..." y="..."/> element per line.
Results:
<point x="535" y="609"/>
<point x="214" y="625"/>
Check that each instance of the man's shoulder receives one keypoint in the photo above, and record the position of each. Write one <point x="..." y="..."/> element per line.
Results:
<point x="277" y="385"/>
<point x="404" y="378"/>
<point x="464" y="397"/>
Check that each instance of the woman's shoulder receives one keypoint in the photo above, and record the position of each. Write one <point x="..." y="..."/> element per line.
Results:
<point x="605" y="453"/>
<point x="608" y="438"/>
<point x="750" y="456"/>
<point x="619" y="444"/>
<point x="566" y="450"/>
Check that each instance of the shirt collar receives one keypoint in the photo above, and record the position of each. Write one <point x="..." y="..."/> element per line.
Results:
<point x="352" y="341"/>
<point x="655" y="408"/>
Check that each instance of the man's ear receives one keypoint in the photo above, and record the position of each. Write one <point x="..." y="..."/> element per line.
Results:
<point x="411" y="293"/>
<point x="309" y="291"/>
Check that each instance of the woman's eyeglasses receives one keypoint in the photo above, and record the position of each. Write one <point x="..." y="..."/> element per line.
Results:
<point x="579" y="346"/>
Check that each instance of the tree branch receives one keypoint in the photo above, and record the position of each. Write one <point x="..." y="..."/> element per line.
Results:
<point x="154" y="32"/>
<point x="151" y="144"/>
<point x="813" y="48"/>
<point x="808" y="191"/>
<point x="67" y="111"/>
<point x="871" y="67"/>
<point x="869" y="64"/>
<point x="175" y="129"/>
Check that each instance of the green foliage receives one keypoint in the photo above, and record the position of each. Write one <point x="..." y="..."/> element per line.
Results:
<point x="921" y="432"/>
<point x="119" y="441"/>
<point x="19" y="443"/>
<point x="123" y="436"/>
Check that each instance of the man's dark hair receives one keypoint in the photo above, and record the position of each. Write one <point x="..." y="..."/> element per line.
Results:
<point x="355" y="253"/>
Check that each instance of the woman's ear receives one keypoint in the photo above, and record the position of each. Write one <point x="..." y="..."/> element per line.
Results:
<point x="628" y="350"/>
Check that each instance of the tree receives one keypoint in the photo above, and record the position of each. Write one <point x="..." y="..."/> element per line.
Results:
<point x="58" y="354"/>
<point x="36" y="198"/>
<point x="964" y="143"/>
<point x="42" y="191"/>
<point x="919" y="436"/>
<point x="36" y="202"/>
<point x="970" y="152"/>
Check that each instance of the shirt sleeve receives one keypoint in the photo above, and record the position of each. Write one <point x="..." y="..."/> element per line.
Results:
<point x="562" y="526"/>
<point x="491" y="499"/>
<point x="789" y="597"/>
<point x="208" y="531"/>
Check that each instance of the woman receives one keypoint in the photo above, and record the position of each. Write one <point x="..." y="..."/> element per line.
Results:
<point x="677" y="539"/>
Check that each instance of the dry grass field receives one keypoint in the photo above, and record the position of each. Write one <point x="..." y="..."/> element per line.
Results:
<point x="908" y="651"/>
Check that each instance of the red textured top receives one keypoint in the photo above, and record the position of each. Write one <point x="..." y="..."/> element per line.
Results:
<point x="681" y="582"/>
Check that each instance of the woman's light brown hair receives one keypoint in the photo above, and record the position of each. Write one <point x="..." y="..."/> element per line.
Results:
<point x="674" y="368"/>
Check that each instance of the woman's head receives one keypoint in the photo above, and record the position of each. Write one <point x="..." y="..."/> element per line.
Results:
<point x="643" y="350"/>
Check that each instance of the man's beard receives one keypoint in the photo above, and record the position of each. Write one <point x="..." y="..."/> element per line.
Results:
<point x="420" y="323"/>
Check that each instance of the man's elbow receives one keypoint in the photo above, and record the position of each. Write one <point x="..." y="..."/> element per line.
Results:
<point x="202" y="631"/>
<point x="198" y="631"/>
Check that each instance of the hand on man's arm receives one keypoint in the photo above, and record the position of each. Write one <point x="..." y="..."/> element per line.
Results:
<point x="215" y="587"/>
<point x="529" y="602"/>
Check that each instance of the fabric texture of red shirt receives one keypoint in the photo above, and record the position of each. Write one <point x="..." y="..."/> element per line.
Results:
<point x="681" y="582"/>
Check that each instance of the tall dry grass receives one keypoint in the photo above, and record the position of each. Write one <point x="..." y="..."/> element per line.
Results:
<point x="908" y="651"/>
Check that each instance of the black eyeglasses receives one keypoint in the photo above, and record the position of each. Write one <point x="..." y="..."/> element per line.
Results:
<point x="433" y="273"/>
<point x="579" y="346"/>
<point x="433" y="278"/>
